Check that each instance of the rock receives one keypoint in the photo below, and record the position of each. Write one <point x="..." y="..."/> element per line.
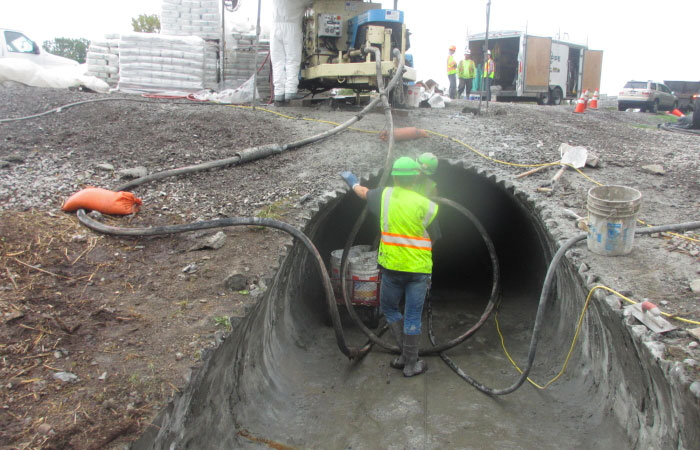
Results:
<point x="179" y="356"/>
<point x="235" y="282"/>
<point x="190" y="268"/>
<point x="9" y="317"/>
<point x="614" y="301"/>
<point x="103" y="376"/>
<point x="654" y="169"/>
<point x="583" y="268"/>
<point x="690" y="362"/>
<point x="66" y="377"/>
<point x="15" y="159"/>
<point x="4" y="164"/>
<point x="695" y="286"/>
<point x="214" y="242"/>
<point x="136" y="172"/>
<point x="44" y="429"/>
<point x="695" y="388"/>
<point x="105" y="167"/>
<point x="592" y="160"/>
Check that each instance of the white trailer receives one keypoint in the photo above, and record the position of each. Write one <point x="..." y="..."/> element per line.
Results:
<point x="537" y="67"/>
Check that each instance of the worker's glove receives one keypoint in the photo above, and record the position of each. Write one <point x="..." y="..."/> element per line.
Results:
<point x="350" y="179"/>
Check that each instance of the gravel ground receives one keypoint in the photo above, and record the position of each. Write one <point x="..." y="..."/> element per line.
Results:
<point x="77" y="302"/>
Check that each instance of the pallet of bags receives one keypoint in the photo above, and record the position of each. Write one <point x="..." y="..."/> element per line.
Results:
<point x="191" y="18"/>
<point x="156" y="63"/>
<point x="103" y="59"/>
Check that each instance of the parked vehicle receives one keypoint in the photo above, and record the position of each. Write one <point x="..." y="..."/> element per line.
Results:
<point x="14" y="44"/>
<point x="647" y="96"/>
<point x="539" y="68"/>
<point x="686" y="91"/>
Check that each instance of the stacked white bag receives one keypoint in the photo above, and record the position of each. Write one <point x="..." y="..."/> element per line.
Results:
<point x="153" y="62"/>
<point x="103" y="59"/>
<point x="191" y="18"/>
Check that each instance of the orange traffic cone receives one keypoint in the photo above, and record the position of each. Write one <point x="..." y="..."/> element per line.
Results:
<point x="677" y="112"/>
<point x="594" y="102"/>
<point x="580" y="104"/>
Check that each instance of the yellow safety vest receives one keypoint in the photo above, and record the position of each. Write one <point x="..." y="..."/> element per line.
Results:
<point x="451" y="65"/>
<point x="490" y="69"/>
<point x="405" y="245"/>
<point x="467" y="69"/>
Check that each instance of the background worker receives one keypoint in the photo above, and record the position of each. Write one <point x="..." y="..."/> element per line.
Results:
<point x="408" y="228"/>
<point x="466" y="71"/>
<point x="452" y="71"/>
<point x="428" y="165"/>
<point x="285" y="47"/>
<point x="489" y="73"/>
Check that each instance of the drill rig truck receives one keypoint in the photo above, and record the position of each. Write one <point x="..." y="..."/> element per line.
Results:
<point x="335" y="33"/>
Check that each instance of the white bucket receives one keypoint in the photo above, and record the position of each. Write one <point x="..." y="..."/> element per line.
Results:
<point x="336" y="258"/>
<point x="364" y="272"/>
<point x="612" y="217"/>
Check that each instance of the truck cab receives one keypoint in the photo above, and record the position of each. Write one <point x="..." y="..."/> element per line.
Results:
<point x="16" y="45"/>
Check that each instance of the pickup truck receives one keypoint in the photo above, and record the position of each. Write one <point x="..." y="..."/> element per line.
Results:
<point x="687" y="92"/>
<point x="14" y="44"/>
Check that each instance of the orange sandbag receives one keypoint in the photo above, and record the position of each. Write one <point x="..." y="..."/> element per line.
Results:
<point x="104" y="201"/>
<point x="404" y="134"/>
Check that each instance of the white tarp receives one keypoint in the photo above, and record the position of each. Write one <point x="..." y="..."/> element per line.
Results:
<point x="31" y="74"/>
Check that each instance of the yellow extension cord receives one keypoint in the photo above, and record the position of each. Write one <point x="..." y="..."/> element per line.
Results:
<point x="498" y="161"/>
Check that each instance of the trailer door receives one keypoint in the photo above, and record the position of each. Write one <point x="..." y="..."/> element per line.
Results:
<point x="537" y="55"/>
<point x="592" y="68"/>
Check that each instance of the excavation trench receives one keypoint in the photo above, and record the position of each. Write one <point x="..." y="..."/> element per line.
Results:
<point x="280" y="378"/>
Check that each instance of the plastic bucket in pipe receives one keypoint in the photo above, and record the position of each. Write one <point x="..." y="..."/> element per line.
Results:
<point x="336" y="258"/>
<point x="364" y="272"/>
<point x="612" y="217"/>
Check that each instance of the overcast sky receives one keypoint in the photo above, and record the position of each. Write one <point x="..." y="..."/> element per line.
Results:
<point x="641" y="39"/>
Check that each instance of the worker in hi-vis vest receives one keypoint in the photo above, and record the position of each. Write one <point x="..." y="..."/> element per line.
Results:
<point x="428" y="165"/>
<point x="489" y="73"/>
<point x="466" y="71"/>
<point x="452" y="72"/>
<point x="408" y="223"/>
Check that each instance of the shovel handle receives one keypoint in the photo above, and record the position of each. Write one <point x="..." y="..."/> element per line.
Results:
<point x="558" y="174"/>
<point x="531" y="171"/>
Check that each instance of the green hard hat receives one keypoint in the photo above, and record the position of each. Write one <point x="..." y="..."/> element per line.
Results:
<point x="428" y="163"/>
<point x="405" y="166"/>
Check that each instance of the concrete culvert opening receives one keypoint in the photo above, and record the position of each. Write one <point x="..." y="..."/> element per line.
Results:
<point x="280" y="379"/>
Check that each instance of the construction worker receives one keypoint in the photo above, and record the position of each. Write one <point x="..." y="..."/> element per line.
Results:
<point x="466" y="71"/>
<point x="452" y="72"/>
<point x="408" y="228"/>
<point x="428" y="165"/>
<point x="285" y="47"/>
<point x="489" y="72"/>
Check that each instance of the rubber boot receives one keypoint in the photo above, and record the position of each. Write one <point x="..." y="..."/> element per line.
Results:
<point x="413" y="366"/>
<point x="280" y="101"/>
<point x="397" y="330"/>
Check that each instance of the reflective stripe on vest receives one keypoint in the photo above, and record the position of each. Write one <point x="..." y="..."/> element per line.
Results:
<point x="490" y="69"/>
<point x="401" y="248"/>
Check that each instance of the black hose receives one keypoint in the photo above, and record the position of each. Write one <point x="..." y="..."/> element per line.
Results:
<point x="241" y="157"/>
<point x="239" y="221"/>
<point x="353" y="234"/>
<point x="546" y="288"/>
<point x="70" y="105"/>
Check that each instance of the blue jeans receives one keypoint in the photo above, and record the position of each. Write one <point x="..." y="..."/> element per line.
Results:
<point x="395" y="287"/>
